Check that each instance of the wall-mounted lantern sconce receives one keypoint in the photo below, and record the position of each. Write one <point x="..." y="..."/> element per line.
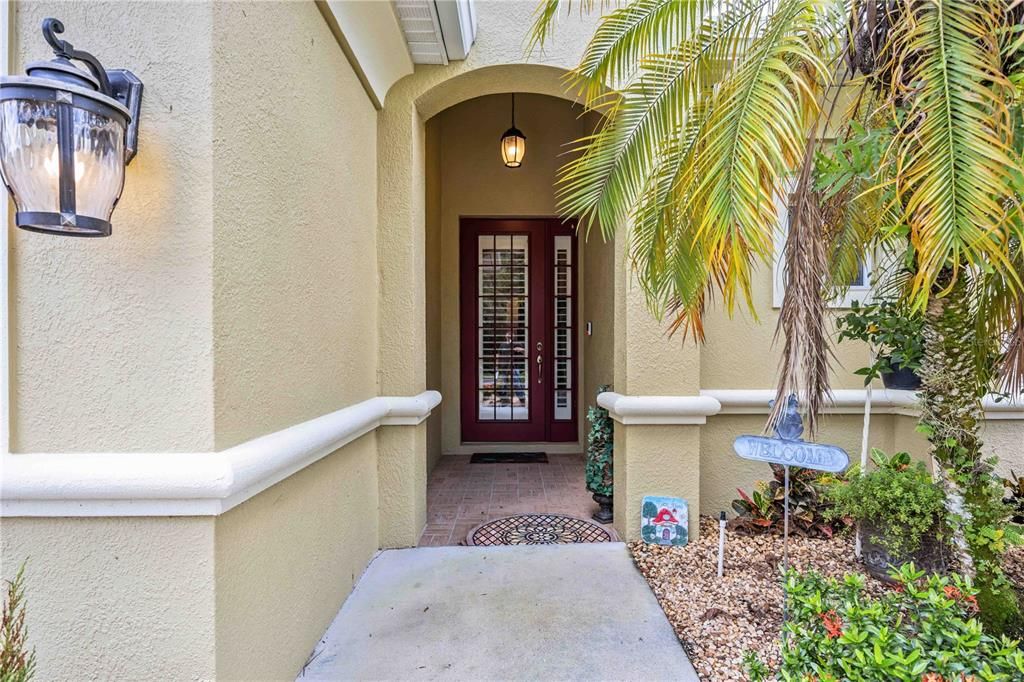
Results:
<point x="66" y="135"/>
<point x="513" y="142"/>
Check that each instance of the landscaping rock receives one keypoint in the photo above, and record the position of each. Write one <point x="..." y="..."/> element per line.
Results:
<point x="717" y="619"/>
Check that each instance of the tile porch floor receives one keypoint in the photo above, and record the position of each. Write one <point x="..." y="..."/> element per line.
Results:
<point x="461" y="496"/>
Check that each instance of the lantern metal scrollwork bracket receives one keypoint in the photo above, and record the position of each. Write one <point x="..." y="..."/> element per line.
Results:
<point x="120" y="84"/>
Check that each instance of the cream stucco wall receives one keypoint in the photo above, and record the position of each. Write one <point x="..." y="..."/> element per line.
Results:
<point x="287" y="558"/>
<point x="294" y="248"/>
<point x="235" y="298"/>
<point x="739" y="352"/>
<point x="473" y="182"/>
<point x="124" y="598"/>
<point x="599" y="309"/>
<point x="432" y="284"/>
<point x="1005" y="439"/>
<point x="112" y="338"/>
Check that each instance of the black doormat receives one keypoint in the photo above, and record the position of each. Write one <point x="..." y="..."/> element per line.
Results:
<point x="509" y="458"/>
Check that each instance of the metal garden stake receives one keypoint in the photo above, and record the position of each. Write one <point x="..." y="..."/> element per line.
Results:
<point x="789" y="449"/>
<point x="721" y="543"/>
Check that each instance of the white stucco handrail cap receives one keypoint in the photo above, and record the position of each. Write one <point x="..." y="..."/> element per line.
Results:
<point x="755" y="400"/>
<point x="852" y="401"/>
<point x="190" y="483"/>
<point x="658" y="409"/>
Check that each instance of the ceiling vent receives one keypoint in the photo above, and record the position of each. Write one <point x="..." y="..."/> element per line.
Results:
<point x="437" y="31"/>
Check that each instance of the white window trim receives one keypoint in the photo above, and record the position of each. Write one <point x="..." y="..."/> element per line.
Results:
<point x="862" y="294"/>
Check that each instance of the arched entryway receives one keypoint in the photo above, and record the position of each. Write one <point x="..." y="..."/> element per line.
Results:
<point x="440" y="165"/>
<point x="519" y="323"/>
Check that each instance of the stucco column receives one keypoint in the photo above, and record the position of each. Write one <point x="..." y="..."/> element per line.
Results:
<point x="401" y="255"/>
<point x="401" y="246"/>
<point x="652" y="458"/>
<point x="402" y="485"/>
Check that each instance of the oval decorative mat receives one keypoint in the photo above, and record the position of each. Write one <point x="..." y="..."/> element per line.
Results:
<point x="537" y="529"/>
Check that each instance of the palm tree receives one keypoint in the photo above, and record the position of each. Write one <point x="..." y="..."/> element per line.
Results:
<point x="713" y="116"/>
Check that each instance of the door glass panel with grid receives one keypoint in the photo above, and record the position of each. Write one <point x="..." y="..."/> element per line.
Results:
<point x="518" y="326"/>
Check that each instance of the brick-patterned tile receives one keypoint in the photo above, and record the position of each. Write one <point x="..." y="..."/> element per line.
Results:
<point x="461" y="496"/>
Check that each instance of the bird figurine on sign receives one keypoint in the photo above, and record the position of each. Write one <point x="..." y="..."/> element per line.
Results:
<point x="790" y="425"/>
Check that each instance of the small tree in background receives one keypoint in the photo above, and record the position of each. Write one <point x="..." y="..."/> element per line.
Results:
<point x="17" y="662"/>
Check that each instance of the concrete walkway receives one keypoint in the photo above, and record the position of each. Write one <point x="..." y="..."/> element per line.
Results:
<point x="542" y="612"/>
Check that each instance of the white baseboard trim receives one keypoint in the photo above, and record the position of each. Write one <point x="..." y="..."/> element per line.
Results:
<point x="658" y="409"/>
<point x="850" y="401"/>
<point x="189" y="484"/>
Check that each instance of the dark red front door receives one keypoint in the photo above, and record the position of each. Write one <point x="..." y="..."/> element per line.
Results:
<point x="518" y="317"/>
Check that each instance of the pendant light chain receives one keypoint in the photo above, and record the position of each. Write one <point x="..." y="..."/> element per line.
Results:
<point x="513" y="142"/>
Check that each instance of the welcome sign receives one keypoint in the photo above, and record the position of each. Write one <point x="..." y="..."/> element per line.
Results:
<point x="792" y="453"/>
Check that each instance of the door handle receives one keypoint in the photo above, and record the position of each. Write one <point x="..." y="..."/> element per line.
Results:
<point x="540" y="362"/>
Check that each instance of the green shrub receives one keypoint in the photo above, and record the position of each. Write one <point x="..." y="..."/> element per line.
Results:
<point x="600" y="449"/>
<point x="888" y="326"/>
<point x="762" y="511"/>
<point x="897" y="500"/>
<point x="924" y="630"/>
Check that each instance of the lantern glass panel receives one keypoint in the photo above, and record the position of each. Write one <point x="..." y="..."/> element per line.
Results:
<point x="513" y="148"/>
<point x="29" y="158"/>
<point x="99" y="163"/>
<point x="28" y="153"/>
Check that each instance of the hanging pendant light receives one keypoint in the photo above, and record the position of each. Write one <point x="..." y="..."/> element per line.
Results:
<point x="513" y="142"/>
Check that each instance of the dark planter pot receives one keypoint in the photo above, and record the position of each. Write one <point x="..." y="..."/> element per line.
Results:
<point x="901" y="379"/>
<point x="930" y="556"/>
<point x="604" y="514"/>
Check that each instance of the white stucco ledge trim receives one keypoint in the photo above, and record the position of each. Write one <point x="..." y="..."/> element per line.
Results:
<point x="658" y="409"/>
<point x="189" y="484"/>
<point x="851" y="401"/>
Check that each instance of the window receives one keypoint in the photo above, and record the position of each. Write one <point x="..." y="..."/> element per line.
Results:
<point x="860" y="288"/>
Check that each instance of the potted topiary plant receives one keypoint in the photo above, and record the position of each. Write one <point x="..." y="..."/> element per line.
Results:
<point x="599" y="459"/>
<point x="899" y="510"/>
<point x="897" y="335"/>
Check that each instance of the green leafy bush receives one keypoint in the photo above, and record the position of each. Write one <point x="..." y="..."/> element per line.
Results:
<point x="895" y="332"/>
<point x="762" y="510"/>
<point x="897" y="501"/>
<point x="600" y="447"/>
<point x="924" y="630"/>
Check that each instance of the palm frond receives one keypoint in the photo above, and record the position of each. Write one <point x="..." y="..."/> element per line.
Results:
<point x="761" y="114"/>
<point x="997" y="307"/>
<point x="670" y="264"/>
<point x="627" y="36"/>
<point x="806" y="352"/>
<point x="547" y="14"/>
<point x="602" y="184"/>
<point x="954" y="166"/>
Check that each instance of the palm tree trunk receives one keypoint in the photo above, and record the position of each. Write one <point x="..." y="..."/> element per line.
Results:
<point x="955" y="377"/>
<point x="950" y="405"/>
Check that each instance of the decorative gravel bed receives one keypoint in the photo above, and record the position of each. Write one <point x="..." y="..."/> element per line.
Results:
<point x="1013" y="564"/>
<point x="717" y="619"/>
